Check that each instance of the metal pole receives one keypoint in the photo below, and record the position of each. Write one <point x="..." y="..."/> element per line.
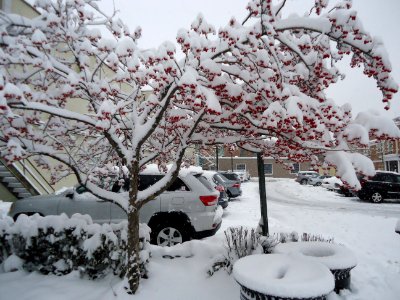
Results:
<point x="216" y="158"/>
<point x="263" y="195"/>
<point x="231" y="162"/>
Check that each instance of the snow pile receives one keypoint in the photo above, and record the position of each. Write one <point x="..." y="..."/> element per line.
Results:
<point x="333" y="256"/>
<point x="13" y="263"/>
<point x="283" y="276"/>
<point x="397" y="229"/>
<point x="60" y="245"/>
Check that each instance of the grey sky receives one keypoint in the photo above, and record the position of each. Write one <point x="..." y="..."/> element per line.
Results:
<point x="160" y="21"/>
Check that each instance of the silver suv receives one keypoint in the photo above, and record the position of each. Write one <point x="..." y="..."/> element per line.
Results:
<point x="188" y="209"/>
<point x="304" y="176"/>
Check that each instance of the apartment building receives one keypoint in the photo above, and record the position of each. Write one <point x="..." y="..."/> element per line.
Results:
<point x="386" y="154"/>
<point x="240" y="159"/>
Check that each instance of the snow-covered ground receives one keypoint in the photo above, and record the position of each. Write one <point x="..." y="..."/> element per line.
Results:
<point x="365" y="228"/>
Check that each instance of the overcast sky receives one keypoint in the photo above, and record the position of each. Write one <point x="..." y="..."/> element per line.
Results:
<point x="161" y="19"/>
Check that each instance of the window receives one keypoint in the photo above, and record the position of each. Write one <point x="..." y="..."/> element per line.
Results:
<point x="296" y="168"/>
<point x="205" y="182"/>
<point x="240" y="166"/>
<point x="178" y="185"/>
<point x="390" y="147"/>
<point x="268" y="169"/>
<point x="383" y="177"/>
<point x="145" y="181"/>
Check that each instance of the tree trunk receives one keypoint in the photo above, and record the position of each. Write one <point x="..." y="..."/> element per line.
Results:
<point x="133" y="273"/>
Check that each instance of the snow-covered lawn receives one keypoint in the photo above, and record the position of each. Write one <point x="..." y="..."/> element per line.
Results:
<point x="366" y="229"/>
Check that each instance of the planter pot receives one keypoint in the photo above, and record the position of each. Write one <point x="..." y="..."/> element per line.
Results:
<point x="337" y="258"/>
<point x="282" y="277"/>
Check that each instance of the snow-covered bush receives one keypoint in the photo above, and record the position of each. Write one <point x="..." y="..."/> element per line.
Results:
<point x="268" y="243"/>
<point x="60" y="245"/>
<point x="239" y="242"/>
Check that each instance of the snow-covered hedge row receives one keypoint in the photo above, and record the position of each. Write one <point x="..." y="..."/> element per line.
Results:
<point x="59" y="245"/>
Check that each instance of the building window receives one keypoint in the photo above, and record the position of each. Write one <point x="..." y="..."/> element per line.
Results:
<point x="268" y="169"/>
<point x="240" y="166"/>
<point x="379" y="148"/>
<point x="390" y="147"/>
<point x="296" y="168"/>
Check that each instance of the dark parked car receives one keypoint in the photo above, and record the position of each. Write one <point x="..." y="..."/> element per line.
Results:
<point x="384" y="185"/>
<point x="231" y="176"/>
<point x="232" y="187"/>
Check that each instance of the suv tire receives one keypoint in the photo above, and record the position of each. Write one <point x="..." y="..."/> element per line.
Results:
<point x="169" y="233"/>
<point x="376" y="197"/>
<point x="318" y="183"/>
<point x="303" y="181"/>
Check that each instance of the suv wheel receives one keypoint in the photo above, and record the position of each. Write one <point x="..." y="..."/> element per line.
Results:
<point x="376" y="197"/>
<point x="303" y="181"/>
<point x="318" y="183"/>
<point x="168" y="234"/>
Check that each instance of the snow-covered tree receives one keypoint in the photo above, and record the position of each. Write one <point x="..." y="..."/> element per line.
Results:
<point x="73" y="82"/>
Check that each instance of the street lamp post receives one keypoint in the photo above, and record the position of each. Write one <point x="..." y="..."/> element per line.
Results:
<point x="216" y="158"/>
<point x="263" y="195"/>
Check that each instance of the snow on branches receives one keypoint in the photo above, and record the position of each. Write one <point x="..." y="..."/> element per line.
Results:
<point x="94" y="101"/>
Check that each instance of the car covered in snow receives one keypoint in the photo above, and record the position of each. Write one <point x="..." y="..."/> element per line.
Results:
<point x="332" y="184"/>
<point x="244" y="175"/>
<point x="188" y="209"/>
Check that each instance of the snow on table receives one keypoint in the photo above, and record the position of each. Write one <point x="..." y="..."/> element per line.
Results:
<point x="337" y="258"/>
<point x="284" y="276"/>
<point x="333" y="256"/>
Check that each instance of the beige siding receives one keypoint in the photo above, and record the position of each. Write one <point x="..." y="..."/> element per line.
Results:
<point x="278" y="170"/>
<point x="5" y="195"/>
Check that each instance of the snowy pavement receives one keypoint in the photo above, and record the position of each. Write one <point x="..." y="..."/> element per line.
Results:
<point x="366" y="229"/>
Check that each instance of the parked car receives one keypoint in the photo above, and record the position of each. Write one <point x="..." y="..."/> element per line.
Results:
<point x="317" y="180"/>
<point x="348" y="192"/>
<point x="332" y="184"/>
<point x="232" y="187"/>
<point x="244" y="175"/>
<point x="384" y="185"/>
<point x="345" y="191"/>
<point x="231" y="176"/>
<point x="303" y="176"/>
<point x="223" y="199"/>
<point x="188" y="209"/>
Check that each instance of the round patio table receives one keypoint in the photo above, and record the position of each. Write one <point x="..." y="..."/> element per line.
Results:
<point x="282" y="277"/>
<point x="337" y="258"/>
